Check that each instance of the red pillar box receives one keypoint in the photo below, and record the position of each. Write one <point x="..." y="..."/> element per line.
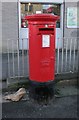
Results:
<point x="42" y="29"/>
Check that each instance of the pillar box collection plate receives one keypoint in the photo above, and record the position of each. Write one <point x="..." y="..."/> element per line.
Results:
<point x="42" y="29"/>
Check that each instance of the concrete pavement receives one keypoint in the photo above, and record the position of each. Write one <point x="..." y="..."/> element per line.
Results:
<point x="63" y="104"/>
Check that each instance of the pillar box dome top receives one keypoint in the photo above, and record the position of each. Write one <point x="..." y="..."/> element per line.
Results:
<point x="42" y="17"/>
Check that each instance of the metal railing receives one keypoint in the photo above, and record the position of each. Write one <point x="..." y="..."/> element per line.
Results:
<point x="66" y="58"/>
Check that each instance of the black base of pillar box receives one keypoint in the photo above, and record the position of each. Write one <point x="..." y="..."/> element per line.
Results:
<point x="49" y="83"/>
<point x="41" y="92"/>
